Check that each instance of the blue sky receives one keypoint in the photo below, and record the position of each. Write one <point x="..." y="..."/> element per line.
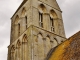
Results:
<point x="71" y="18"/>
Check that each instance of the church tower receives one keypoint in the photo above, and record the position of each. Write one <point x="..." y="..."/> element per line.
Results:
<point x="36" y="28"/>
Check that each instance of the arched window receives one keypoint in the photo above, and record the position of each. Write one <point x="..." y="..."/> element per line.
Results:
<point x="18" y="29"/>
<point x="18" y="44"/>
<point x="23" y="12"/>
<point x="40" y="19"/>
<point x="53" y="17"/>
<point x="16" y="19"/>
<point x="52" y="24"/>
<point x="26" y="21"/>
<point x="42" y="10"/>
<point x="24" y="38"/>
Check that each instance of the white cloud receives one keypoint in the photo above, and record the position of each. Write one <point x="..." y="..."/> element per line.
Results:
<point x="71" y="13"/>
<point x="7" y="9"/>
<point x="3" y="52"/>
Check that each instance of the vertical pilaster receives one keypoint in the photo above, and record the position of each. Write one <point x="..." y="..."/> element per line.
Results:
<point x="35" y="48"/>
<point x="20" y="53"/>
<point x="56" y="27"/>
<point x="12" y="55"/>
<point x="23" y="24"/>
<point x="40" y="47"/>
<point x="24" y="51"/>
<point x="48" y="45"/>
<point x="61" y="28"/>
<point x="46" y="21"/>
<point x="44" y="41"/>
<point x="16" y="53"/>
<point x="16" y="31"/>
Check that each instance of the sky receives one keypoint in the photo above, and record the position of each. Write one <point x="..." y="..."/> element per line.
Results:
<point x="70" y="12"/>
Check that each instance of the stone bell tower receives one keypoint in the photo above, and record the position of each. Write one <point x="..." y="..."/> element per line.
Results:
<point x="36" y="28"/>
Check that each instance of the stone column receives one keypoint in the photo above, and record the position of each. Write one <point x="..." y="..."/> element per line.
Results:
<point x="40" y="47"/>
<point x="35" y="47"/>
<point x="16" y="53"/>
<point x="48" y="45"/>
<point x="20" y="58"/>
<point x="25" y="49"/>
<point x="12" y="55"/>
<point x="44" y="41"/>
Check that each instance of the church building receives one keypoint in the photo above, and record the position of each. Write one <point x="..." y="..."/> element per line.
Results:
<point x="36" y="29"/>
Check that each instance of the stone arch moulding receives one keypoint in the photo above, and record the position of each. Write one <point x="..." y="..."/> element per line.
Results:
<point x="48" y="36"/>
<point x="24" y="39"/>
<point x="48" y="45"/>
<point x="40" y="33"/>
<point x="42" y="8"/>
<point x="55" y="42"/>
<point x="53" y="14"/>
<point x="16" y="19"/>
<point x="12" y="48"/>
<point x="18" y="44"/>
<point x="23" y="11"/>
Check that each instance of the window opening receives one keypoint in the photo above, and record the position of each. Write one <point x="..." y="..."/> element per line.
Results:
<point x="40" y="19"/>
<point x="52" y="24"/>
<point x="18" y="29"/>
<point x="26" y="22"/>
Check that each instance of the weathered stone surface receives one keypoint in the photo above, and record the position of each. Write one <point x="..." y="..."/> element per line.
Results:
<point x="36" y="27"/>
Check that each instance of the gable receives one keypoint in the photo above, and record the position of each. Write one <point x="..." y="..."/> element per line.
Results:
<point x="52" y="3"/>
